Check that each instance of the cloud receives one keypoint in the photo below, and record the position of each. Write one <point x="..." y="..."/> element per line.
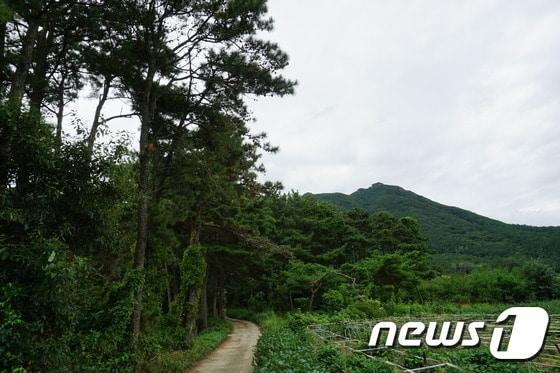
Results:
<point x="455" y="101"/>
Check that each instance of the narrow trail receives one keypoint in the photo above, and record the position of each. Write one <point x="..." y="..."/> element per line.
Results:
<point x="235" y="354"/>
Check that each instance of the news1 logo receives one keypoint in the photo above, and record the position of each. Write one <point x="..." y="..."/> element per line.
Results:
<point x="526" y="338"/>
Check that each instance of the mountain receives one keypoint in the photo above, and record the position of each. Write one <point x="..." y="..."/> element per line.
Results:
<point x="455" y="232"/>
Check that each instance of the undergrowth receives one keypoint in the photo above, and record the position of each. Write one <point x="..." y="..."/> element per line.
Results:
<point x="200" y="346"/>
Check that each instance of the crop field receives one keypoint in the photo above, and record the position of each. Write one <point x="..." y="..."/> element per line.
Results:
<point x="354" y="336"/>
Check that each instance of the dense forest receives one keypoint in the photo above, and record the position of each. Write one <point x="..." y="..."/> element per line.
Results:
<point x="105" y="251"/>
<point x="112" y="253"/>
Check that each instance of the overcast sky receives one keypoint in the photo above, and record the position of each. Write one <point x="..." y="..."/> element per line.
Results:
<point x="458" y="101"/>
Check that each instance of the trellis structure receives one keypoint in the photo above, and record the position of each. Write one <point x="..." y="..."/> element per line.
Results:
<point x="354" y="336"/>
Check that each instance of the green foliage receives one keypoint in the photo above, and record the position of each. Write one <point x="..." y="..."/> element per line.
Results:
<point x="480" y="360"/>
<point x="5" y="12"/>
<point x="281" y="349"/>
<point x="285" y="346"/>
<point x="533" y="281"/>
<point x="330" y="357"/>
<point x="333" y="300"/>
<point x="541" y="280"/>
<point x="62" y="288"/>
<point x="179" y="360"/>
<point x="443" y="307"/>
<point x="193" y="267"/>
<point x="11" y="333"/>
<point x="451" y="230"/>
<point x="334" y="258"/>
<point x="193" y="270"/>
<point x="93" y="236"/>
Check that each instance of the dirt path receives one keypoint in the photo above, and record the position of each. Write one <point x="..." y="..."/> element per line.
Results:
<point x="235" y="354"/>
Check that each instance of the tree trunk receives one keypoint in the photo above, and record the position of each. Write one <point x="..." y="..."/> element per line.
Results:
<point x="312" y="298"/>
<point x="39" y="83"/>
<point x="193" y="308"/>
<point x="204" y="303"/>
<point x="15" y="97"/>
<point x="221" y="301"/>
<point x="25" y="59"/>
<point x="143" y="198"/>
<point x="190" y="318"/>
<point x="291" y="301"/>
<point x="60" y="109"/>
<point x="2" y="52"/>
<point x="215" y="299"/>
<point x="97" y="116"/>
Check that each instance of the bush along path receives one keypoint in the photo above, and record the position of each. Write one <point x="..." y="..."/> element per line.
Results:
<point x="235" y="354"/>
<point x="286" y="346"/>
<point x="179" y="360"/>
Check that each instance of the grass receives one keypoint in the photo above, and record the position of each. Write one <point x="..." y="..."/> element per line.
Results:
<point x="285" y="349"/>
<point x="281" y="349"/>
<point x="200" y="346"/>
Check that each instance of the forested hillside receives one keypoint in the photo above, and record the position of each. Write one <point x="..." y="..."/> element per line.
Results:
<point x="451" y="230"/>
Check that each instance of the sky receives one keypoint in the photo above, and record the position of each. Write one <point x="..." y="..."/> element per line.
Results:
<point x="458" y="101"/>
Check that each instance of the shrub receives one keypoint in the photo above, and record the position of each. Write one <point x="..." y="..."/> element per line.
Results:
<point x="333" y="300"/>
<point x="202" y="344"/>
<point x="281" y="349"/>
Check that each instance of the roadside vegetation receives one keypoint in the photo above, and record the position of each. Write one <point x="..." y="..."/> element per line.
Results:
<point x="197" y="348"/>
<point x="287" y="345"/>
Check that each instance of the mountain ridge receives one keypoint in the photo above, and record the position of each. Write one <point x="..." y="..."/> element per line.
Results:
<point x="453" y="230"/>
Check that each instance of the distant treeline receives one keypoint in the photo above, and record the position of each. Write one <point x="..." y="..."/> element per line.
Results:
<point x="357" y="261"/>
